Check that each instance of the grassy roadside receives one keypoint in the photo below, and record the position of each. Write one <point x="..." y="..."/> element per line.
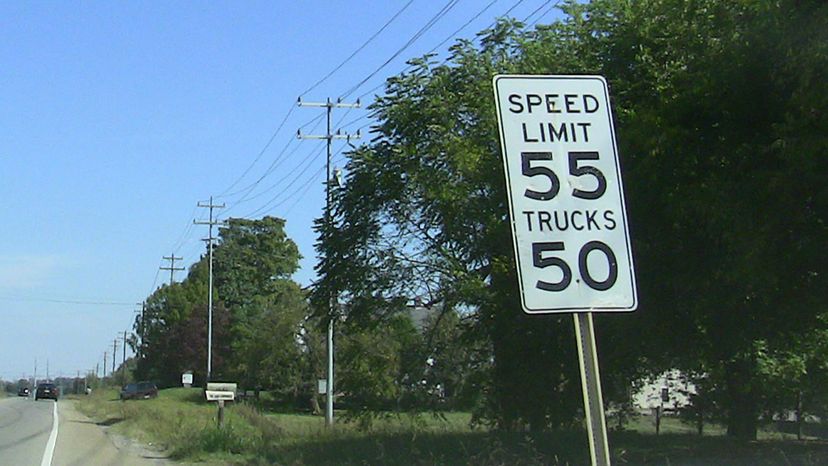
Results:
<point x="182" y="423"/>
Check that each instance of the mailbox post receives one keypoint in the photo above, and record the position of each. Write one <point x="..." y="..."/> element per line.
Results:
<point x="220" y="392"/>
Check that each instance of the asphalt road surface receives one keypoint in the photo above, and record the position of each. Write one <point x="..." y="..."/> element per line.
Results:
<point x="45" y="433"/>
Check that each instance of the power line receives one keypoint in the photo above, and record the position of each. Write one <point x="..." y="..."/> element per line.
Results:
<point x="290" y="174"/>
<point x="287" y="175"/>
<point x="247" y="190"/>
<point x="300" y="191"/>
<point x="307" y="185"/>
<point x="439" y="15"/>
<point x="447" y="7"/>
<point x="450" y="5"/>
<point x="155" y="280"/>
<point x="451" y="36"/>
<point x="508" y="11"/>
<point x="542" y="15"/>
<point x="359" y="49"/>
<point x="295" y="193"/>
<point x="273" y="165"/>
<point x="301" y="195"/>
<point x="543" y="5"/>
<point x="434" y="19"/>
<point x="304" y="169"/>
<point x="464" y="26"/>
<point x="187" y="229"/>
<point x="261" y="152"/>
<point x="84" y="302"/>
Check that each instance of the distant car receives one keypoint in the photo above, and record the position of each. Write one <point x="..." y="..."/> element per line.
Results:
<point x="23" y="391"/>
<point x="140" y="390"/>
<point x="47" y="390"/>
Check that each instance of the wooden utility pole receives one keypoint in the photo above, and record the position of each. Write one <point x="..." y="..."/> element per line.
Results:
<point x="172" y="268"/>
<point x="209" y="240"/>
<point x="114" y="352"/>
<point x="123" y="361"/>
<point x="329" y="136"/>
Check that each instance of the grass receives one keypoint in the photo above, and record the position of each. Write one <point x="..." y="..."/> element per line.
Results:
<point x="180" y="421"/>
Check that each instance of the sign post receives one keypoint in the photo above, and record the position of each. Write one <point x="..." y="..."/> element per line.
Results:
<point x="220" y="392"/>
<point x="591" y="386"/>
<point x="569" y="222"/>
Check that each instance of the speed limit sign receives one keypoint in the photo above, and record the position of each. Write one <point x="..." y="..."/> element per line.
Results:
<point x="566" y="199"/>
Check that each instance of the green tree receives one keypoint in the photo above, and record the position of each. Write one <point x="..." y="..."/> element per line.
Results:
<point x="423" y="215"/>
<point x="174" y="331"/>
<point x="377" y="367"/>
<point x="253" y="258"/>
<point x="722" y="133"/>
<point x="725" y="150"/>
<point x="267" y="350"/>
<point x="254" y="261"/>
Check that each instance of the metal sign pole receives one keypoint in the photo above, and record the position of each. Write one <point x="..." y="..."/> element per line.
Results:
<point x="591" y="385"/>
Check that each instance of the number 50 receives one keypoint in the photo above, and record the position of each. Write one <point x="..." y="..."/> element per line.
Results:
<point x="541" y="262"/>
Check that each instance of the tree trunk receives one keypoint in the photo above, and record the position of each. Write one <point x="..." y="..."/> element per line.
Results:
<point x="742" y="419"/>
<point x="799" y="415"/>
<point x="314" y="402"/>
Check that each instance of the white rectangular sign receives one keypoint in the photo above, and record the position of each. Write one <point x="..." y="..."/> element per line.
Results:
<point x="214" y="395"/>
<point x="566" y="199"/>
<point x="221" y="386"/>
<point x="187" y="378"/>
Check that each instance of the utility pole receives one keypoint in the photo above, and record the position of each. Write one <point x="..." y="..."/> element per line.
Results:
<point x="209" y="240"/>
<point x="172" y="268"/>
<point x="114" y="352"/>
<point x="123" y="361"/>
<point x="329" y="137"/>
<point x="141" y="327"/>
<point x="47" y="369"/>
<point x="104" y="372"/>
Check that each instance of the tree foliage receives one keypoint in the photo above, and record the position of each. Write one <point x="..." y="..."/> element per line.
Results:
<point x="722" y="131"/>
<point x="723" y="138"/>
<point x="258" y="315"/>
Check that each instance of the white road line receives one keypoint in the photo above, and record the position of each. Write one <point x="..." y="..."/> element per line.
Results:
<point x="50" y="445"/>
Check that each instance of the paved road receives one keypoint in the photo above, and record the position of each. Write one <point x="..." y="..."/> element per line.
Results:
<point x="27" y="425"/>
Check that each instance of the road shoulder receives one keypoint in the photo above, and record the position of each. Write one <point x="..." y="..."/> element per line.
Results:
<point x="83" y="441"/>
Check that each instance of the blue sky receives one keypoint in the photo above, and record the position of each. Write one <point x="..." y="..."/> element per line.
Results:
<point x="116" y="118"/>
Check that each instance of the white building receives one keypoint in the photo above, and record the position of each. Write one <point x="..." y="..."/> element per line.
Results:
<point x="672" y="385"/>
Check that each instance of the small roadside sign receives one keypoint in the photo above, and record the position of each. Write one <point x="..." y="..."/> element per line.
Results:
<point x="220" y="392"/>
<point x="222" y="386"/>
<point x="213" y="395"/>
<point x="565" y="194"/>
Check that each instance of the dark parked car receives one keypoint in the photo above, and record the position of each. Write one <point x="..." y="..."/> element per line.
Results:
<point x="140" y="390"/>
<point x="47" y="390"/>
<point x="23" y="391"/>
